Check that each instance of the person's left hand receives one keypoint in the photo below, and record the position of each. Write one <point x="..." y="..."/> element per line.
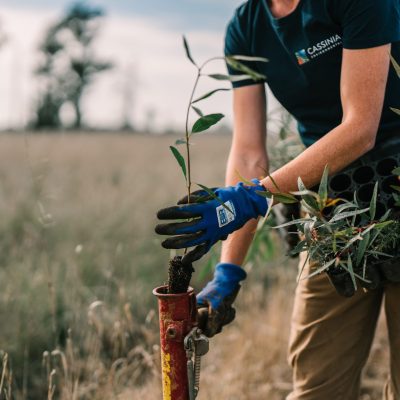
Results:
<point x="215" y="301"/>
<point x="210" y="219"/>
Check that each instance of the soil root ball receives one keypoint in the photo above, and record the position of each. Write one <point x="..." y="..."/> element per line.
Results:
<point x="179" y="275"/>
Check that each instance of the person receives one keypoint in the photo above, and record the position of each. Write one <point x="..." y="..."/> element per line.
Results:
<point x="329" y="66"/>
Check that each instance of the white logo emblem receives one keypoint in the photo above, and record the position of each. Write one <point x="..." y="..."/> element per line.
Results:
<point x="225" y="216"/>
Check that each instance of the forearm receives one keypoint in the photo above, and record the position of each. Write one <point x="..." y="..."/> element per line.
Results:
<point x="235" y="247"/>
<point x="363" y="82"/>
<point x="339" y="148"/>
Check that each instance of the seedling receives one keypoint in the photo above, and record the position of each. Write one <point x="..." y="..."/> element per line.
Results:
<point x="179" y="273"/>
<point x="347" y="238"/>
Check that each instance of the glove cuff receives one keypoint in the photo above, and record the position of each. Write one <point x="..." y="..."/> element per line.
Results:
<point x="227" y="272"/>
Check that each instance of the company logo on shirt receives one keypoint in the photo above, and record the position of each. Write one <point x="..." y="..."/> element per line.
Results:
<point x="305" y="55"/>
<point x="225" y="213"/>
<point x="302" y="57"/>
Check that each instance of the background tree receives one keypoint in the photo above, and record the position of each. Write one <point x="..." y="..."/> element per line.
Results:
<point x="69" y="64"/>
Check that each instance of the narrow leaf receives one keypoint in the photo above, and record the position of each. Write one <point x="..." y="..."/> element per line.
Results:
<point x="372" y="206"/>
<point x="249" y="58"/>
<point x="396" y="171"/>
<point x="395" y="110"/>
<point x="274" y="183"/>
<point x="279" y="197"/>
<point x="209" y="94"/>
<point x="180" y="141"/>
<point x="351" y="271"/>
<point x="348" y="214"/>
<point x="321" y="269"/>
<point x="187" y="50"/>
<point x="205" y="122"/>
<point x="362" y="247"/>
<point x="198" y="111"/>
<point x="396" y="66"/>
<point x="323" y="188"/>
<point x="231" y="78"/>
<point x="179" y="158"/>
<point x="243" y="179"/>
<point x="238" y="66"/>
<point x="215" y="197"/>
<point x="294" y="222"/>
<point x="309" y="200"/>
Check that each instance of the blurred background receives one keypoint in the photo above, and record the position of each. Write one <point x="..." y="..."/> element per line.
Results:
<point x="92" y="94"/>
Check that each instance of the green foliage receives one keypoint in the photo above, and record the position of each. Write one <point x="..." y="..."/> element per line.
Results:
<point x="187" y="50"/>
<point x="337" y="241"/>
<point x="205" y="122"/>
<point x="179" y="158"/>
<point x="396" y="188"/>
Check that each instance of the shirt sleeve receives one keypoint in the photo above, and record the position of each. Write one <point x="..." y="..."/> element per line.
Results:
<point x="237" y="43"/>
<point x="370" y="23"/>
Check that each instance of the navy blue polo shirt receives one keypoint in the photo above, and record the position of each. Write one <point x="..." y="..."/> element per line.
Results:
<point x="304" y="50"/>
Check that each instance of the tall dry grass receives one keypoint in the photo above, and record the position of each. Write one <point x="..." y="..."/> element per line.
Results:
<point x="78" y="261"/>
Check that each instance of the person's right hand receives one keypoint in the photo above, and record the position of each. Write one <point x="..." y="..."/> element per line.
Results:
<point x="215" y="301"/>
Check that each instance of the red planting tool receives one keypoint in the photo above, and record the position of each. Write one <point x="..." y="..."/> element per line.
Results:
<point x="182" y="344"/>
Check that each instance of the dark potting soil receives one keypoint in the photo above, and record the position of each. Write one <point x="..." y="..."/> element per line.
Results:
<point x="179" y="275"/>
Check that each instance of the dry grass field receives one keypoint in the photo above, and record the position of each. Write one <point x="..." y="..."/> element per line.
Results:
<point x="78" y="262"/>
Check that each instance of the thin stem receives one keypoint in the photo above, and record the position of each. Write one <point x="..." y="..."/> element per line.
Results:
<point x="187" y="135"/>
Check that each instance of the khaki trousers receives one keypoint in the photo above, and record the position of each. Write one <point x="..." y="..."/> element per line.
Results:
<point x="331" y="338"/>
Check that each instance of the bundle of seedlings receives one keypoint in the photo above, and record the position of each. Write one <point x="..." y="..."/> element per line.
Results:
<point x="345" y="240"/>
<point x="180" y="267"/>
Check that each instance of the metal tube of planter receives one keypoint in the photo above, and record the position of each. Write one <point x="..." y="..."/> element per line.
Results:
<point x="177" y="316"/>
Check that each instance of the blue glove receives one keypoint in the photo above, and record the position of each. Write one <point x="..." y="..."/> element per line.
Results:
<point x="226" y="281"/>
<point x="215" y="300"/>
<point x="211" y="219"/>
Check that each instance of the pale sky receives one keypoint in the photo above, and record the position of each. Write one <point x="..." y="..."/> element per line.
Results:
<point x="142" y="38"/>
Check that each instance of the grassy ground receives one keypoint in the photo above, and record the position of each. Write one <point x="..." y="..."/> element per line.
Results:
<point x="78" y="261"/>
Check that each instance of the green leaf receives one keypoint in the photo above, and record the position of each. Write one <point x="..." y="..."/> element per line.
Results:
<point x="243" y="179"/>
<point x="308" y="199"/>
<point x="205" y="122"/>
<point x="372" y="206"/>
<point x="249" y="58"/>
<point x="396" y="171"/>
<point x="274" y="183"/>
<point x="382" y="225"/>
<point x="280" y="197"/>
<point x="396" y="66"/>
<point x="395" y="187"/>
<point x="179" y="158"/>
<point x="238" y="66"/>
<point x="187" y="51"/>
<point x="351" y="271"/>
<point x="300" y="247"/>
<point x="362" y="247"/>
<point x="294" y="222"/>
<point x="209" y="94"/>
<point x="231" y="78"/>
<point x="180" y="141"/>
<point x="339" y="217"/>
<point x="395" y="110"/>
<point x="198" y="111"/>
<point x="323" y="188"/>
<point x="215" y="197"/>
<point x="321" y="269"/>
